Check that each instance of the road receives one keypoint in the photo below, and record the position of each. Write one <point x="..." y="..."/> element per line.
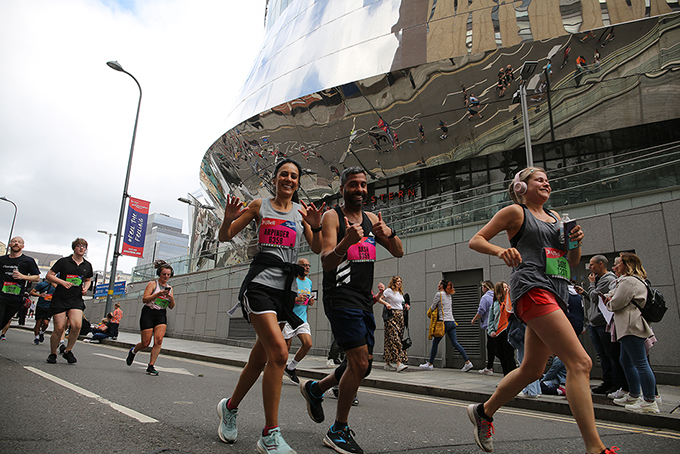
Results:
<point x="102" y="405"/>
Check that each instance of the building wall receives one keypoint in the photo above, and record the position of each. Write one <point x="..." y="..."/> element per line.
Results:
<point x="648" y="226"/>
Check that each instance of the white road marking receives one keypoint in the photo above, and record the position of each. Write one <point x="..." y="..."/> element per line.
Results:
<point x="172" y="370"/>
<point x="126" y="411"/>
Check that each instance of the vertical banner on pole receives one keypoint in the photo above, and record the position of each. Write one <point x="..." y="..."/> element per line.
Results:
<point x="135" y="228"/>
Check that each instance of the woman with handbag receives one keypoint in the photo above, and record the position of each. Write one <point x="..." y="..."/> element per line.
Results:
<point x="394" y="326"/>
<point x="445" y="324"/>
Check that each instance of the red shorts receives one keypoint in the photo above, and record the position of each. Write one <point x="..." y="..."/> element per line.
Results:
<point x="536" y="303"/>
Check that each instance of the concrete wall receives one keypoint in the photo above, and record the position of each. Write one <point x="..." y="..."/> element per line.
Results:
<point x="648" y="225"/>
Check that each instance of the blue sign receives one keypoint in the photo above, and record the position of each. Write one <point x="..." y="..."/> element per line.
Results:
<point x="103" y="289"/>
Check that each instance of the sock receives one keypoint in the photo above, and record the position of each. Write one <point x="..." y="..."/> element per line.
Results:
<point x="293" y="364"/>
<point x="229" y="406"/>
<point x="267" y="430"/>
<point x="338" y="426"/>
<point x="316" y="390"/>
<point x="37" y="337"/>
<point x="480" y="410"/>
<point x="62" y="342"/>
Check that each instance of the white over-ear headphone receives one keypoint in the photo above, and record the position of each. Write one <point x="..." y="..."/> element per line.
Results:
<point x="518" y="186"/>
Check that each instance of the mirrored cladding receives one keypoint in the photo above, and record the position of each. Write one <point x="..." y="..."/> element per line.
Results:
<point x="455" y="108"/>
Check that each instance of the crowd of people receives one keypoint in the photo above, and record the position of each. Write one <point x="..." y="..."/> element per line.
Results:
<point x="532" y="320"/>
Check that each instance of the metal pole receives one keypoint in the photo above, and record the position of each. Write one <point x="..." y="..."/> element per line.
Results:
<point x="11" y="230"/>
<point x="525" y="122"/>
<point x="108" y="248"/>
<point x="552" y="127"/>
<point x="116" y="254"/>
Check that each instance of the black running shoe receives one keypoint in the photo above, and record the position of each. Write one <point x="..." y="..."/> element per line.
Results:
<point x="292" y="375"/>
<point x="52" y="359"/>
<point x="36" y="341"/>
<point x="68" y="356"/>
<point x="42" y="337"/>
<point x="342" y="441"/>
<point x="355" y="402"/>
<point x="62" y="348"/>
<point x="313" y="403"/>
<point x="151" y="370"/>
<point x="336" y="391"/>
<point x="603" y="388"/>
<point x="130" y="357"/>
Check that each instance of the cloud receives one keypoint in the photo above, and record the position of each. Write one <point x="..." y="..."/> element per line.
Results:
<point x="66" y="119"/>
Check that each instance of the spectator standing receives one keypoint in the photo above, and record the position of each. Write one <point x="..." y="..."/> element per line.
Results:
<point x="497" y="327"/>
<point x="394" y="326"/>
<point x="117" y="315"/>
<point x="482" y="315"/>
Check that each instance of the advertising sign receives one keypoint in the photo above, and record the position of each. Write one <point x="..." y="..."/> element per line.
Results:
<point x="103" y="289"/>
<point x="135" y="228"/>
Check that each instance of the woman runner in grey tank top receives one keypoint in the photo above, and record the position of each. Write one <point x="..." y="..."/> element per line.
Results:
<point x="279" y="228"/>
<point x="539" y="264"/>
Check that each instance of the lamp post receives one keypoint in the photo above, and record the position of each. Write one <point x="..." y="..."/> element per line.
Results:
<point x="114" y="263"/>
<point x="13" y="219"/>
<point x="528" y="69"/>
<point x="106" y="261"/>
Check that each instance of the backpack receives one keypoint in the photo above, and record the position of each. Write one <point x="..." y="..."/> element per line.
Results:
<point x="655" y="307"/>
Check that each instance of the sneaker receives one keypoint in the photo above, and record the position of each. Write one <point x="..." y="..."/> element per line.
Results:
<point x="528" y="396"/>
<point x="483" y="429"/>
<point x="467" y="367"/>
<point x="335" y="391"/>
<point x="486" y="371"/>
<point x="642" y="406"/>
<point x="273" y="443"/>
<point x="130" y="357"/>
<point x="612" y="450"/>
<point x="227" y="430"/>
<point x="342" y="441"/>
<point x="388" y="366"/>
<point x="602" y="388"/>
<point x="355" y="402"/>
<point x="625" y="400"/>
<point x="68" y="356"/>
<point x="2" y="337"/>
<point x="426" y="366"/>
<point x="619" y="393"/>
<point x="36" y="341"/>
<point x="658" y="400"/>
<point x="314" y="407"/>
<point x="151" y="370"/>
<point x="41" y="337"/>
<point x="52" y="359"/>
<point x="401" y="367"/>
<point x="62" y="348"/>
<point x="292" y="375"/>
<point x="330" y="364"/>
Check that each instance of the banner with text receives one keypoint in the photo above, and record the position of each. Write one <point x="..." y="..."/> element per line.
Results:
<point x="135" y="228"/>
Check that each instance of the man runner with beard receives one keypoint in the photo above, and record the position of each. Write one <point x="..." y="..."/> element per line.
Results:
<point x="348" y="257"/>
<point x="17" y="271"/>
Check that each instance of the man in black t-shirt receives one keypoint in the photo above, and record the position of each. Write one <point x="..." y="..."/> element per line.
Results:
<point x="75" y="274"/>
<point x="17" y="271"/>
<point x="348" y="256"/>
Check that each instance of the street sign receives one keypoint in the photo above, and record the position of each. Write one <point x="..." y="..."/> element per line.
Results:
<point x="102" y="289"/>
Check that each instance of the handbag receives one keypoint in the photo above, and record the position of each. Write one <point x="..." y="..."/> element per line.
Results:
<point x="439" y="328"/>
<point x="406" y="342"/>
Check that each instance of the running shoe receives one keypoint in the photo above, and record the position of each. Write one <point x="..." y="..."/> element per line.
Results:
<point x="426" y="366"/>
<point x="619" y="393"/>
<point x="2" y="337"/>
<point x="62" y="348"/>
<point x="467" y="367"/>
<point x="292" y="375"/>
<point x="273" y="443"/>
<point x="486" y="371"/>
<point x="68" y="356"/>
<point x="612" y="450"/>
<point x="335" y="391"/>
<point x="314" y="407"/>
<point x="355" y="402"/>
<point x="642" y="406"/>
<point x="36" y="341"/>
<point x="227" y="429"/>
<point x="42" y="337"/>
<point x="342" y="441"/>
<point x="52" y="359"/>
<point x="401" y="367"/>
<point x="330" y="364"/>
<point x="130" y="357"/>
<point x="626" y="399"/>
<point x="483" y="428"/>
<point x="151" y="370"/>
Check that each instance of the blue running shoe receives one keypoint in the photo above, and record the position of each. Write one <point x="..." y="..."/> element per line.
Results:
<point x="313" y="403"/>
<point x="273" y="444"/>
<point x="227" y="429"/>
<point x="342" y="441"/>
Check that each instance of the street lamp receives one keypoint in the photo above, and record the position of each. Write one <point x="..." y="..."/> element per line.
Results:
<point x="106" y="261"/>
<point x="528" y="69"/>
<point x="13" y="219"/>
<point x="196" y="204"/>
<point x="114" y="263"/>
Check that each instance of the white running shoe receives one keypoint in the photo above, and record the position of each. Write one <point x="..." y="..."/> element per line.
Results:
<point x="627" y="399"/>
<point x="642" y="406"/>
<point x="467" y="367"/>
<point x="486" y="371"/>
<point x="426" y="366"/>
<point x="330" y="364"/>
<point x="402" y="367"/>
<point x="619" y="393"/>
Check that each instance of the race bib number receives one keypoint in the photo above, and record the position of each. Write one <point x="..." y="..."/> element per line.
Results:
<point x="363" y="251"/>
<point x="48" y="297"/>
<point x="306" y="294"/>
<point x="74" y="279"/>
<point x="556" y="264"/>
<point x="277" y="232"/>
<point x="160" y="302"/>
<point x="11" y="288"/>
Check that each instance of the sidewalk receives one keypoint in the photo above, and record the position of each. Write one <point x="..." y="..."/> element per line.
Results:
<point x="450" y="383"/>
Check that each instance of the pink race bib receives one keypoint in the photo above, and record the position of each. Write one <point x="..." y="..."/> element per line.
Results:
<point x="363" y="251"/>
<point x="277" y="232"/>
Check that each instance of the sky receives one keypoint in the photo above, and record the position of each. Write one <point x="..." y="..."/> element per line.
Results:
<point x="66" y="118"/>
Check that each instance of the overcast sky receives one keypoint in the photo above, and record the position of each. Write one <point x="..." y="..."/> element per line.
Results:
<point x="66" y="118"/>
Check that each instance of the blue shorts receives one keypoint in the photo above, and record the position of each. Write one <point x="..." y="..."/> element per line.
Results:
<point x="352" y="328"/>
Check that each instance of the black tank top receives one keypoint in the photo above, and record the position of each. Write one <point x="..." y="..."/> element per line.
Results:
<point x="349" y="284"/>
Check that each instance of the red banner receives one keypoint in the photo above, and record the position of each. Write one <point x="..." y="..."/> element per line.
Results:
<point x="135" y="228"/>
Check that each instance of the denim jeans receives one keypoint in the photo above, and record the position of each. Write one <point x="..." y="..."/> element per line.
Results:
<point x="449" y="330"/>
<point x="636" y="367"/>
